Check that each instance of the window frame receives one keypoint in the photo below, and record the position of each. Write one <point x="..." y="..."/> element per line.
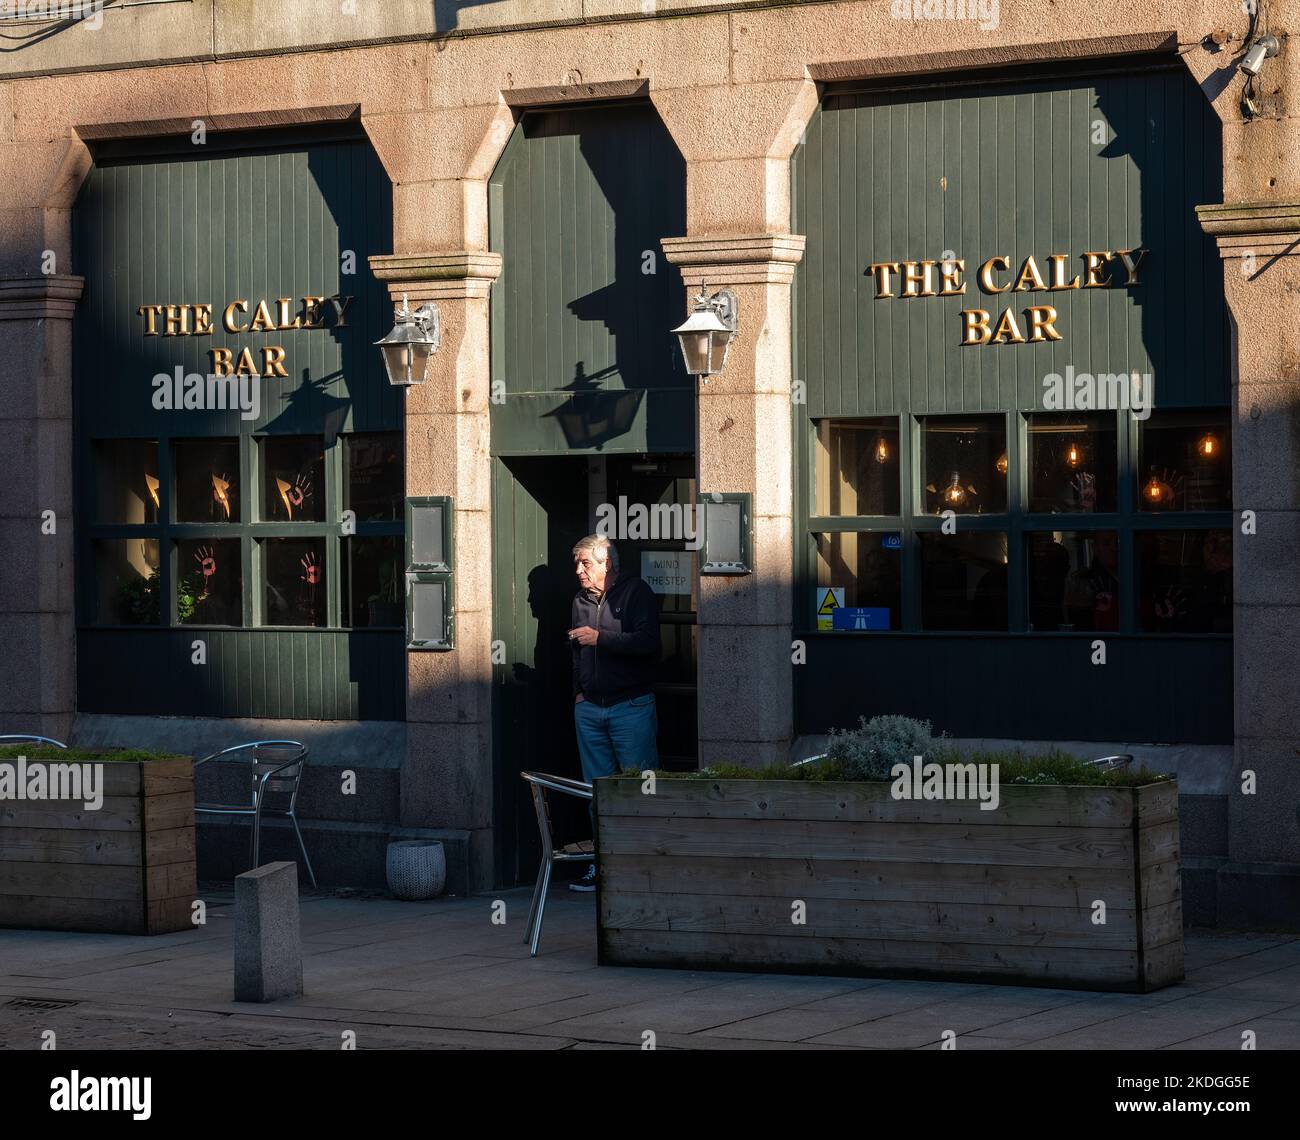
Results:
<point x="251" y="530"/>
<point x="1128" y="520"/>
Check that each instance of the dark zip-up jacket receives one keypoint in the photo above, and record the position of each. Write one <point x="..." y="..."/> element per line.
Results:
<point x="623" y="662"/>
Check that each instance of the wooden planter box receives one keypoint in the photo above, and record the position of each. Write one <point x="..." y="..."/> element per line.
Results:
<point x="705" y="873"/>
<point x="126" y="868"/>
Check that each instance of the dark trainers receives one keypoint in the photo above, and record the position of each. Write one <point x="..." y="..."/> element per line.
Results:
<point x="587" y="882"/>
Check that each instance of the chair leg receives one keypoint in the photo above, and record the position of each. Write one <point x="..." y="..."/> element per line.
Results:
<point x="257" y="839"/>
<point x="541" y="908"/>
<point x="537" y="894"/>
<point x="303" y="848"/>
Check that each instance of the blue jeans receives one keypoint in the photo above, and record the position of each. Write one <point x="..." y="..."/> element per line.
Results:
<point x="620" y="736"/>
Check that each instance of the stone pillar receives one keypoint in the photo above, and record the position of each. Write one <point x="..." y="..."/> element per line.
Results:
<point x="446" y="779"/>
<point x="745" y="444"/>
<point x="737" y="141"/>
<point x="1260" y="246"/>
<point x="37" y="659"/>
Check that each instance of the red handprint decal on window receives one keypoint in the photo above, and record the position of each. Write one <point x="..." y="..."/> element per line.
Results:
<point x="312" y="571"/>
<point x="207" y="563"/>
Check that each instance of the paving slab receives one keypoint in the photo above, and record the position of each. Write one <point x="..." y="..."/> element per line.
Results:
<point x="440" y="974"/>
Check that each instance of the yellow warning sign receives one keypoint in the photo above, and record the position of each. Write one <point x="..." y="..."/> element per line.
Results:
<point x="829" y="599"/>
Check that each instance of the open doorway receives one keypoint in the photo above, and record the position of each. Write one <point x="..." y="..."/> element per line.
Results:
<point x="541" y="506"/>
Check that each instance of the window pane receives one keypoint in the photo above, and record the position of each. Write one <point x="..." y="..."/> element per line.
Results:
<point x="964" y="464"/>
<point x="293" y="473"/>
<point x="864" y="570"/>
<point x="1072" y="463"/>
<point x="207" y="480"/>
<point x="857" y="467"/>
<point x="1185" y="461"/>
<point x="374" y="582"/>
<point x="964" y="580"/>
<point x="295" y="581"/>
<point x="209" y="586"/>
<point x="373" y="476"/>
<point x="1185" y="581"/>
<point x="1073" y="580"/>
<point x="127" y="581"/>
<point x="126" y="481"/>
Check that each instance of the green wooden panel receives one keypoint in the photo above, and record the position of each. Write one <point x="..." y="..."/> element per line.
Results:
<point x="1008" y="169"/>
<point x="246" y="219"/>
<point x="192" y="229"/>
<point x="280" y="674"/>
<point x="582" y="311"/>
<point x="1026" y="687"/>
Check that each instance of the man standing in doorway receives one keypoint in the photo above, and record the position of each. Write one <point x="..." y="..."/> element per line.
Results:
<point x="614" y="635"/>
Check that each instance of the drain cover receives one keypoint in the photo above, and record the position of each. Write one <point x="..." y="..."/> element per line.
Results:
<point x="38" y="1003"/>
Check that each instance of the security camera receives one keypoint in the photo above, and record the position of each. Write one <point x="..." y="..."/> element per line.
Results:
<point x="1263" y="48"/>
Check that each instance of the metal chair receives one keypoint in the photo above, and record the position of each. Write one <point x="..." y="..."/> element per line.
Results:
<point x="584" y="849"/>
<point x="276" y="772"/>
<point x="29" y="738"/>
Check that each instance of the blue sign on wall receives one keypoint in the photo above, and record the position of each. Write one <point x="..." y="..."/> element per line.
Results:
<point x="860" y="617"/>
<point x="891" y="541"/>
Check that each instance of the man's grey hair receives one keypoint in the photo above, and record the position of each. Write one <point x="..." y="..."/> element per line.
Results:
<point x="602" y="550"/>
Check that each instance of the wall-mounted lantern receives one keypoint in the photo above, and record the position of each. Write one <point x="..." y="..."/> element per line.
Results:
<point x="414" y="339"/>
<point x="706" y="334"/>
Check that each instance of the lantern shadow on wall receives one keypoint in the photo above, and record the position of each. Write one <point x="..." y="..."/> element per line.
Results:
<point x="593" y="416"/>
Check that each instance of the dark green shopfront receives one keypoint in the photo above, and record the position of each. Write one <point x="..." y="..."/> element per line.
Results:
<point x="972" y="545"/>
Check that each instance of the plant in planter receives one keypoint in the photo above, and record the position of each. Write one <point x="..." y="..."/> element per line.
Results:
<point x="857" y="865"/>
<point x="97" y="840"/>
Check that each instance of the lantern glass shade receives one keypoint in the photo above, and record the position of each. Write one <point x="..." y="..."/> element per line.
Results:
<point x="406" y="350"/>
<point x="705" y="341"/>
<point x="406" y="362"/>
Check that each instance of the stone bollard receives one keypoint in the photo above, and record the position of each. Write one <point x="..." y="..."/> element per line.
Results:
<point x="268" y="938"/>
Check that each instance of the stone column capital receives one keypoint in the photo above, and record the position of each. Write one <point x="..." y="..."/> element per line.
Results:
<point x="746" y="259"/>
<point x="459" y="274"/>
<point x="53" y="296"/>
<point x="1266" y="228"/>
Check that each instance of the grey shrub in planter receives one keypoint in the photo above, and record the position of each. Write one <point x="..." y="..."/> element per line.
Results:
<point x="417" y="869"/>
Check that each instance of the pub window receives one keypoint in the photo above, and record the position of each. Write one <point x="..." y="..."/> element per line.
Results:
<point x="295" y="582"/>
<point x="372" y="476"/>
<point x="179" y="546"/>
<point x="1185" y="461"/>
<point x="867" y="568"/>
<point x="1074" y="580"/>
<point x="207" y="480"/>
<point x="127" y="581"/>
<point x="1185" y="581"/>
<point x="857" y="467"/>
<point x="209" y="582"/>
<point x="293" y="478"/>
<point x="374" y="582"/>
<point x="1087" y="551"/>
<point x="964" y="581"/>
<point x="1073" y="463"/>
<point x="127" y="482"/>
<point x="964" y="464"/>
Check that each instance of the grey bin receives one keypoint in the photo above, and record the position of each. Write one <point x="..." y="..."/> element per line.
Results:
<point x="417" y="869"/>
